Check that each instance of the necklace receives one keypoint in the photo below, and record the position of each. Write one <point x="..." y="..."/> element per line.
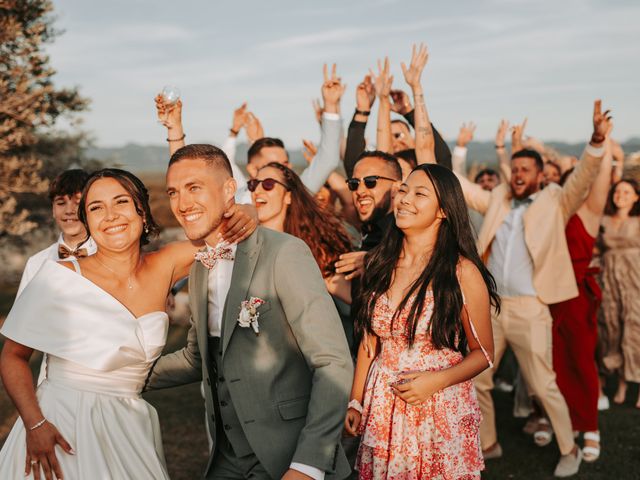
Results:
<point x="129" y="284"/>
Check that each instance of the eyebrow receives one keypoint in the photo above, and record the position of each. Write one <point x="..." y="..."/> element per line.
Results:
<point x="126" y="195"/>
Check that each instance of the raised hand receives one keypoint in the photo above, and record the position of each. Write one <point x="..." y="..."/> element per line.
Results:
<point x="318" y="109"/>
<point x="401" y="102"/>
<point x="169" y="115"/>
<point x="332" y="90"/>
<point x="365" y="94"/>
<point x="253" y="127"/>
<point x="517" y="132"/>
<point x="383" y="81"/>
<point x="419" y="58"/>
<point x="239" y="119"/>
<point x="309" y="151"/>
<point x="466" y="134"/>
<point x="502" y="133"/>
<point x="601" y="121"/>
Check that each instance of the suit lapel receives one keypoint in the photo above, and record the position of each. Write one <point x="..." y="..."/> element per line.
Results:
<point x="243" y="267"/>
<point x="200" y="305"/>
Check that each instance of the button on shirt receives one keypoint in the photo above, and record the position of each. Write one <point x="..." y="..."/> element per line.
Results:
<point x="219" y="285"/>
<point x="510" y="262"/>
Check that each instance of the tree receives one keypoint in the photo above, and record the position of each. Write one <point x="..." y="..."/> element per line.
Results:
<point x="29" y="108"/>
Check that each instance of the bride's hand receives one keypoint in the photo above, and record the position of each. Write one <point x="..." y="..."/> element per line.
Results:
<point x="352" y="422"/>
<point x="241" y="220"/>
<point x="41" y="455"/>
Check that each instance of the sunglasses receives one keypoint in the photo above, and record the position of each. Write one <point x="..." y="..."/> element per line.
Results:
<point x="267" y="183"/>
<point x="370" y="182"/>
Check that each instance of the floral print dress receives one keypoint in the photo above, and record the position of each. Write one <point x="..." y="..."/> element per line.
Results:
<point x="438" y="439"/>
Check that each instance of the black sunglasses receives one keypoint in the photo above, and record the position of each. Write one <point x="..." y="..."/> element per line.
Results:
<point x="267" y="184"/>
<point x="370" y="181"/>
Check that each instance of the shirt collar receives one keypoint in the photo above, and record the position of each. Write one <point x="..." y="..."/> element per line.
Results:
<point x="89" y="244"/>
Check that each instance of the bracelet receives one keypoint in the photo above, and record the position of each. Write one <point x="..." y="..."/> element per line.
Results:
<point x="177" y="139"/>
<point x="362" y="112"/>
<point x="234" y="132"/>
<point x="356" y="405"/>
<point x="38" y="425"/>
<point x="499" y="146"/>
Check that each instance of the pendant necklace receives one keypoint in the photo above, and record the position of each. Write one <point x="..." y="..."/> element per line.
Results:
<point x="129" y="284"/>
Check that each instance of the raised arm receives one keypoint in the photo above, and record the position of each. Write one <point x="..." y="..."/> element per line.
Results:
<point x="460" y="151"/>
<point x="425" y="144"/>
<point x="517" y="132"/>
<point x="383" y="82"/>
<point x="504" y="164"/>
<point x="597" y="198"/>
<point x="577" y="186"/>
<point x="328" y="157"/>
<point x="229" y="145"/>
<point x="170" y="115"/>
<point x="365" y="97"/>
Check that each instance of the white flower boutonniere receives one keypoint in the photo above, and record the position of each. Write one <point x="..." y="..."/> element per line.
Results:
<point x="249" y="314"/>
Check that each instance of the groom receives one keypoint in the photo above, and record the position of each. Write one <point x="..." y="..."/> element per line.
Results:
<point x="277" y="383"/>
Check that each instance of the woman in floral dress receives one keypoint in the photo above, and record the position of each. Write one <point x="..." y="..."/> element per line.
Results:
<point x="426" y="323"/>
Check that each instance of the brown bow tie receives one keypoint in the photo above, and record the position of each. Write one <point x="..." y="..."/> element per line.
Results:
<point x="64" y="252"/>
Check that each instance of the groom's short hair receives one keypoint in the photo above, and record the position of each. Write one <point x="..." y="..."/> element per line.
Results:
<point x="213" y="156"/>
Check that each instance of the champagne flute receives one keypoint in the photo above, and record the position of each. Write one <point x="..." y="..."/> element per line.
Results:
<point x="170" y="96"/>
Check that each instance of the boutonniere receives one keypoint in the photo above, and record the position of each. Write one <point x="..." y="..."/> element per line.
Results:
<point x="249" y="314"/>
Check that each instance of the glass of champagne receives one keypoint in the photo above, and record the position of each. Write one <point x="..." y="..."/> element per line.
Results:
<point x="170" y="95"/>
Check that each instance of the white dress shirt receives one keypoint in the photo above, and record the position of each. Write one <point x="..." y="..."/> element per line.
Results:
<point x="510" y="262"/>
<point x="219" y="285"/>
<point x="50" y="253"/>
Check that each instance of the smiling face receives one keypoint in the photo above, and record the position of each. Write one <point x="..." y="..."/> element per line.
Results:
<point x="271" y="204"/>
<point x="416" y="205"/>
<point x="112" y="217"/>
<point x="401" y="137"/>
<point x="525" y="177"/>
<point x="199" y="194"/>
<point x="551" y="174"/>
<point x="65" y="213"/>
<point x="373" y="203"/>
<point x="624" y="196"/>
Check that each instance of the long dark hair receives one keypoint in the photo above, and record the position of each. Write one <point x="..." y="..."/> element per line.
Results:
<point x="134" y="187"/>
<point x="611" y="208"/>
<point x="319" y="229"/>
<point x="454" y="241"/>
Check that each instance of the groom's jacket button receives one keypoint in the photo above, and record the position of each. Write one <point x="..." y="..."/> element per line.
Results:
<point x="221" y="379"/>
<point x="223" y="403"/>
<point x="227" y="427"/>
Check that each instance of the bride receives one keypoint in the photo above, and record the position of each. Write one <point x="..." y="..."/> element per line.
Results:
<point x="101" y="320"/>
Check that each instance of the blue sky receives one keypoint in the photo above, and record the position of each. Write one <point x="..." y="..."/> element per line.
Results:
<point x="488" y="60"/>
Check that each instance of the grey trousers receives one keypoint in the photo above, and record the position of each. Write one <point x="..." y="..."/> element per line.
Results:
<point x="227" y="466"/>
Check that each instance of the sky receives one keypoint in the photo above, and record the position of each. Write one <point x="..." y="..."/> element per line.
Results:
<point x="489" y="59"/>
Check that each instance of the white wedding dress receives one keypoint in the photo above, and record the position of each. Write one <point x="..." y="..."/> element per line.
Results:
<point x="98" y="358"/>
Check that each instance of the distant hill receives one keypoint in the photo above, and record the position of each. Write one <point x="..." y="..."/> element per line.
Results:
<point x="154" y="158"/>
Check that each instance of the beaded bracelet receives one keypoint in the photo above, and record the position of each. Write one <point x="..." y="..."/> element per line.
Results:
<point x="177" y="139"/>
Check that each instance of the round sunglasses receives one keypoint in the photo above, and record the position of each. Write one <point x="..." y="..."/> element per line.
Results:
<point x="370" y="181"/>
<point x="267" y="184"/>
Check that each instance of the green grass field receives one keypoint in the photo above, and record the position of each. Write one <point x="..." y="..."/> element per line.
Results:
<point x="181" y="412"/>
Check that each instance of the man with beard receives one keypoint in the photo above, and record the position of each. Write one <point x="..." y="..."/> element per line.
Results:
<point x="523" y="239"/>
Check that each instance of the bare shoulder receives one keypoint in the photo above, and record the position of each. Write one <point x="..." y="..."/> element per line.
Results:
<point x="471" y="280"/>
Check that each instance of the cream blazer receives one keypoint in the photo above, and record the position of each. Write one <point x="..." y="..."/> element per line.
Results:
<point x="544" y="224"/>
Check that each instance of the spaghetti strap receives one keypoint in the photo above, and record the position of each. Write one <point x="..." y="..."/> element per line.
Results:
<point x="473" y="328"/>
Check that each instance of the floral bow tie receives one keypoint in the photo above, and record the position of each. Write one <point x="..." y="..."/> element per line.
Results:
<point x="64" y="252"/>
<point x="210" y="257"/>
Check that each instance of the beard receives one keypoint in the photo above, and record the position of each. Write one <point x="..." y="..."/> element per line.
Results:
<point x="381" y="210"/>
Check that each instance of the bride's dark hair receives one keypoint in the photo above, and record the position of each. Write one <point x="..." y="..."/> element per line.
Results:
<point x="454" y="241"/>
<point x="134" y="187"/>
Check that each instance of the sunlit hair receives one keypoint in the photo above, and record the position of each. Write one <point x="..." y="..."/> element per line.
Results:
<point x="318" y="228"/>
<point x="611" y="208"/>
<point x="68" y="183"/>
<point x="134" y="187"/>
<point x="455" y="241"/>
<point x="527" y="153"/>
<point x="213" y="156"/>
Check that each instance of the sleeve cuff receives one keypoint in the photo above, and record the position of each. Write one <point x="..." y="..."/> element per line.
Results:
<point x="593" y="151"/>
<point x="308" y="470"/>
<point x="331" y="116"/>
<point x="460" y="151"/>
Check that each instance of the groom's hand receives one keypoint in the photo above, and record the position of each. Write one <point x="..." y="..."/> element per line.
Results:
<point x="240" y="222"/>
<point x="292" y="474"/>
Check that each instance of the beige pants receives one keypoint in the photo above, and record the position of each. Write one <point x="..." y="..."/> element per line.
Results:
<point x="524" y="323"/>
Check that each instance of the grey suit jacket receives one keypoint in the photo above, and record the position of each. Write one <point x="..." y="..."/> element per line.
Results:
<point x="289" y="385"/>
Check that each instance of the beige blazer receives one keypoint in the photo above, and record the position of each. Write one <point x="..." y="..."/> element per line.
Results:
<point x="544" y="224"/>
